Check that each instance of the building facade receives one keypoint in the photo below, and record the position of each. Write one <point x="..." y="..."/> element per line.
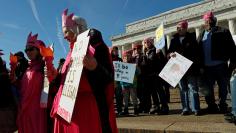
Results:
<point x="224" y="10"/>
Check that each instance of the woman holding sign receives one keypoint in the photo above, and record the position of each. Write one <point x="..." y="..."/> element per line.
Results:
<point x="94" y="109"/>
<point x="32" y="116"/>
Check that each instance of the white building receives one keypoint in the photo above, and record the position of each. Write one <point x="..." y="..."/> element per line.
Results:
<point x="224" y="10"/>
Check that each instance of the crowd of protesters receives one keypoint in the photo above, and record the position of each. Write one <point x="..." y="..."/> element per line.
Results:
<point x="213" y="55"/>
<point x="214" y="61"/>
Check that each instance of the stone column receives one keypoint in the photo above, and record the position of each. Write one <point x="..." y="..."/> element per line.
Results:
<point x="232" y="26"/>
<point x="120" y="50"/>
<point x="129" y="46"/>
<point x="198" y="31"/>
<point x="168" y="39"/>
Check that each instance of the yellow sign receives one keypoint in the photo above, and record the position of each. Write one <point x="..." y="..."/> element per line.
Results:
<point x="159" y="32"/>
<point x="160" y="37"/>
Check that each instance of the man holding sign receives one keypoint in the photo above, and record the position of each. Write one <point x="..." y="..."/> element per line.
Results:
<point x="185" y="44"/>
<point x="85" y="106"/>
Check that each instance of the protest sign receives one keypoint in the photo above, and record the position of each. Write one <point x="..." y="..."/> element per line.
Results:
<point x="71" y="84"/>
<point x="160" y="37"/>
<point x="175" y="69"/>
<point x="124" y="71"/>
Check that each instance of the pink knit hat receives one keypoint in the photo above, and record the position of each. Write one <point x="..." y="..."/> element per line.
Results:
<point x="137" y="45"/>
<point x="149" y="40"/>
<point x="208" y="15"/>
<point x="125" y="53"/>
<point x="183" y="24"/>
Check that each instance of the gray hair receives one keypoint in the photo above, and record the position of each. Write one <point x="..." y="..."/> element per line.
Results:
<point x="81" y="25"/>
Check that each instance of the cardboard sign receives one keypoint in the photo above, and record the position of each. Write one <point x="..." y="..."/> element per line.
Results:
<point x="71" y="85"/>
<point x="124" y="71"/>
<point x="175" y="69"/>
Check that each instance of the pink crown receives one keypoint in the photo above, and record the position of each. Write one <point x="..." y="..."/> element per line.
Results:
<point x="33" y="41"/>
<point x="67" y="20"/>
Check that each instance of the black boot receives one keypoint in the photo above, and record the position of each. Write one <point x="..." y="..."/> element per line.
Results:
<point x="126" y="112"/>
<point x="223" y="108"/>
<point x="212" y="109"/>
<point x="230" y="118"/>
<point x="164" y="110"/>
<point x="155" y="110"/>
<point x="136" y="111"/>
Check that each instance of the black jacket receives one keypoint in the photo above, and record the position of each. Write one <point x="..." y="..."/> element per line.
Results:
<point x="21" y="68"/>
<point x="151" y="64"/>
<point x="6" y="95"/>
<point x="116" y="58"/>
<point x="222" y="44"/>
<point x="101" y="77"/>
<point x="188" y="48"/>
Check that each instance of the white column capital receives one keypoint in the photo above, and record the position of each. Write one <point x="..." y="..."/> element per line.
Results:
<point x="168" y="39"/>
<point x="198" y="31"/>
<point x="232" y="26"/>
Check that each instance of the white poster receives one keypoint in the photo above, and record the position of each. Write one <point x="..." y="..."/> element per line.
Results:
<point x="70" y="88"/>
<point x="124" y="71"/>
<point x="175" y="69"/>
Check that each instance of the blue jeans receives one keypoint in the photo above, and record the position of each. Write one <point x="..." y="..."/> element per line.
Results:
<point x="219" y="74"/>
<point x="233" y="93"/>
<point x="189" y="93"/>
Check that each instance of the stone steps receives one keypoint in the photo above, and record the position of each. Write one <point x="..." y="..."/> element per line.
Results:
<point x="174" y="122"/>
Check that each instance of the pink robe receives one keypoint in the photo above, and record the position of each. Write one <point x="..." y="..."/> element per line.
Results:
<point x="31" y="117"/>
<point x="85" y="118"/>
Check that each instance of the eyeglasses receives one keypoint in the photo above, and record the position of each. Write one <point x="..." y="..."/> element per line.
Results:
<point x="29" y="49"/>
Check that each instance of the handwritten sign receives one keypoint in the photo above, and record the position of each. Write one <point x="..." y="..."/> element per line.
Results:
<point x="175" y="69"/>
<point x="71" y="85"/>
<point x="160" y="37"/>
<point x="124" y="71"/>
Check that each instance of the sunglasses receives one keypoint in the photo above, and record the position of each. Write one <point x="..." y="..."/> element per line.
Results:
<point x="29" y="49"/>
